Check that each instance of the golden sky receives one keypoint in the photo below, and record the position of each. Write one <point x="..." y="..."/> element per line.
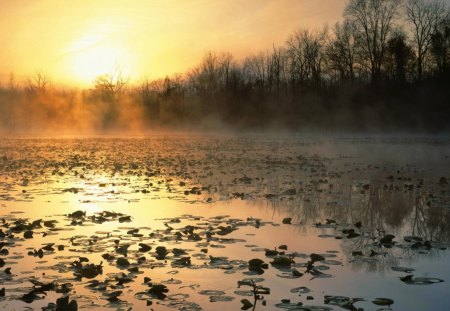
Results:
<point x="74" y="41"/>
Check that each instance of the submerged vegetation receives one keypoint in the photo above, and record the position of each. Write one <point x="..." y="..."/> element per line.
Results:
<point x="386" y="65"/>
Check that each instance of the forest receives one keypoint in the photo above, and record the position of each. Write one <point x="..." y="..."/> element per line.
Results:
<point x="384" y="67"/>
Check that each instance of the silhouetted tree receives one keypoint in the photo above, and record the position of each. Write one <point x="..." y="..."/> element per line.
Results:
<point x="149" y="99"/>
<point x="212" y="74"/>
<point x="399" y="56"/>
<point x="440" y="47"/>
<point x="373" y="21"/>
<point x="110" y="85"/>
<point x="210" y="80"/>
<point x="341" y="50"/>
<point x="12" y="84"/>
<point x="278" y="70"/>
<point x="38" y="83"/>
<point x="425" y="16"/>
<point x="318" y="78"/>
<point x="110" y="89"/>
<point x="257" y="69"/>
<point x="305" y="50"/>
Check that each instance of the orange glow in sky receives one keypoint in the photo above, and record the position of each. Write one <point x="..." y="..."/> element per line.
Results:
<point x="89" y="57"/>
<point x="75" y="41"/>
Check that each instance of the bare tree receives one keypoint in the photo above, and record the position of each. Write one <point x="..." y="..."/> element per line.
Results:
<point x="373" y="20"/>
<point x="38" y="83"/>
<point x="440" y="46"/>
<point x="12" y="85"/>
<point x="256" y="67"/>
<point x="277" y="69"/>
<point x="212" y="75"/>
<point x="341" y="50"/>
<point x="305" y="50"/>
<point x="424" y="15"/>
<point x="145" y="92"/>
<point x="399" y="56"/>
<point x="112" y="84"/>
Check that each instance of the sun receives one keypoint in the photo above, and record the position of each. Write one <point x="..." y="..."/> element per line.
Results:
<point x="90" y="57"/>
<point x="96" y="61"/>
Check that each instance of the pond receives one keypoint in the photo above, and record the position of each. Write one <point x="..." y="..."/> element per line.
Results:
<point x="230" y="222"/>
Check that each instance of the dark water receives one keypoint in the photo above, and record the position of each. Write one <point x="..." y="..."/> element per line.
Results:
<point x="375" y="209"/>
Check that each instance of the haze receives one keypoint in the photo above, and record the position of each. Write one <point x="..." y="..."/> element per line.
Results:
<point x="74" y="41"/>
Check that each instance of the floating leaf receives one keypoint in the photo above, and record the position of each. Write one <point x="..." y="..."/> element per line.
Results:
<point x="211" y="292"/>
<point x="402" y="269"/>
<point x="301" y="290"/>
<point x="222" y="298"/>
<point x="383" y="301"/>
<point x="410" y="279"/>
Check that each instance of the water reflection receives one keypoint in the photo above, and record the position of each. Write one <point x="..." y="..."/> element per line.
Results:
<point x="379" y="207"/>
<point x="344" y="205"/>
<point x="379" y="210"/>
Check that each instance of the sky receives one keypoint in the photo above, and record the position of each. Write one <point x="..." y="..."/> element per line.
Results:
<point x="72" y="42"/>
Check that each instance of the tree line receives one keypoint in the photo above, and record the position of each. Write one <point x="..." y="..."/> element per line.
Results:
<point x="385" y="65"/>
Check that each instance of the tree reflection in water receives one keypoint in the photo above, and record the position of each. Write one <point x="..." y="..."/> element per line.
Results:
<point x="395" y="208"/>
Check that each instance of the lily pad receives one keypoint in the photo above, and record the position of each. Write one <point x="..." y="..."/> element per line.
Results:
<point x="222" y="298"/>
<point x="383" y="301"/>
<point x="402" y="269"/>
<point x="410" y="279"/>
<point x="211" y="292"/>
<point x="299" y="306"/>
<point x="301" y="290"/>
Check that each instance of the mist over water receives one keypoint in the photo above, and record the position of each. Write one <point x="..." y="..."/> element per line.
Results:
<point x="297" y="178"/>
<point x="67" y="112"/>
<point x="88" y="112"/>
<point x="376" y="208"/>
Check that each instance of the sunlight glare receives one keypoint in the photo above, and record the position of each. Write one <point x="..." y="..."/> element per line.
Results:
<point x="89" y="63"/>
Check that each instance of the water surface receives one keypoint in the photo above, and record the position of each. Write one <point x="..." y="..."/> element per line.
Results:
<point x="217" y="202"/>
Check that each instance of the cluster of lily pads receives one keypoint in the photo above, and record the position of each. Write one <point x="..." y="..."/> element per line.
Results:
<point x="132" y="252"/>
<point x="117" y="266"/>
<point x="375" y="244"/>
